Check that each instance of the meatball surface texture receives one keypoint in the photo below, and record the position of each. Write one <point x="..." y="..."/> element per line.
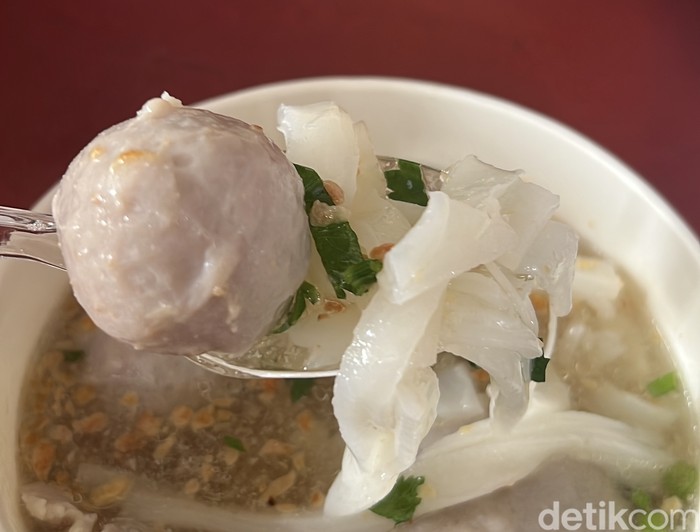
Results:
<point x="183" y="231"/>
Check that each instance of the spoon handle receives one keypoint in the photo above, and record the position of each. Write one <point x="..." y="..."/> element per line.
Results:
<point x="29" y="235"/>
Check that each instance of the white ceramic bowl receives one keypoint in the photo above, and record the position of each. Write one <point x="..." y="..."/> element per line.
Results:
<point x="606" y="202"/>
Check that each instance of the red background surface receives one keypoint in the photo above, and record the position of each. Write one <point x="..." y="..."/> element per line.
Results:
<point x="626" y="73"/>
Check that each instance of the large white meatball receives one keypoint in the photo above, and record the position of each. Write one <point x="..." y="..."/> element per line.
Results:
<point x="182" y="230"/>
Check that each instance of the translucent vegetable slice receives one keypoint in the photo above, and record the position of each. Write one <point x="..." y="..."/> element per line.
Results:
<point x="451" y="237"/>
<point x="482" y="324"/>
<point x="322" y="136"/>
<point x="479" y="459"/>
<point x="385" y="397"/>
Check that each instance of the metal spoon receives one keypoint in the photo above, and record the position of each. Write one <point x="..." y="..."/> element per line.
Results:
<point x="32" y="236"/>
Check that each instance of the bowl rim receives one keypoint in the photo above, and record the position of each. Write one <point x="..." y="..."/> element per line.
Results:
<point x="593" y="149"/>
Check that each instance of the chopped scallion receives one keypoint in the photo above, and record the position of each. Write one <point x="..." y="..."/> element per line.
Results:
<point x="538" y="369"/>
<point x="653" y="521"/>
<point x="234" y="443"/>
<point x="300" y="388"/>
<point x="358" y="277"/>
<point x="641" y="499"/>
<point x="665" y="384"/>
<point x="73" y="355"/>
<point x="681" y="480"/>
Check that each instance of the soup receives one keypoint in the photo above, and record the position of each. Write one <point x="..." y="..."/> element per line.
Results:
<point x="92" y="404"/>
<point x="97" y="434"/>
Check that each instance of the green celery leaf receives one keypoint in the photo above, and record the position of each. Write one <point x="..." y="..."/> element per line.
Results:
<point x="234" y="443"/>
<point x="337" y="244"/>
<point x="665" y="384"/>
<point x="306" y="292"/>
<point x="341" y="257"/>
<point x="538" y="370"/>
<point x="300" y="388"/>
<point x="406" y="183"/>
<point x="313" y="187"/>
<point x="401" y="502"/>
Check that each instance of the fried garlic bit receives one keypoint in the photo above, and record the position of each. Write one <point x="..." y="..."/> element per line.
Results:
<point x="380" y="251"/>
<point x="110" y="492"/>
<point x="334" y="191"/>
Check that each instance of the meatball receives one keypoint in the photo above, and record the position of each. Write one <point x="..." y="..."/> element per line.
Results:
<point x="183" y="231"/>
